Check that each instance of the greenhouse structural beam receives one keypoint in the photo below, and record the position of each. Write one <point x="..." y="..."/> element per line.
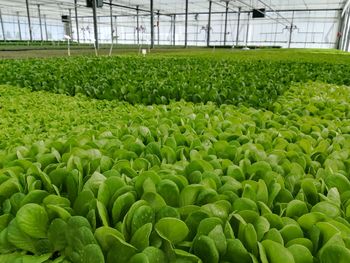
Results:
<point x="341" y="28"/>
<point x="238" y="24"/>
<point x="94" y="12"/>
<point x="267" y="11"/>
<point x="174" y="30"/>
<point x="2" y="27"/>
<point x="40" y="24"/>
<point x="138" y="24"/>
<point x="186" y="24"/>
<point x="76" y="20"/>
<point x="273" y="10"/>
<point x="247" y="32"/>
<point x="158" y="28"/>
<point x="265" y="14"/>
<point x="133" y="8"/>
<point x="345" y="24"/>
<point x="111" y="19"/>
<point x="209" y="24"/>
<point x="19" y="26"/>
<point x="29" y="22"/>
<point x="348" y="41"/>
<point x="345" y="8"/>
<point x="222" y="12"/>
<point x="70" y="23"/>
<point x="152" y="23"/>
<point x="291" y="31"/>
<point x="346" y="30"/>
<point x="116" y="29"/>
<point x="225" y="30"/>
<point x="45" y="26"/>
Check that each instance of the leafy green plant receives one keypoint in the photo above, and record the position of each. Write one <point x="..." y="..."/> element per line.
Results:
<point x="182" y="182"/>
<point x="159" y="80"/>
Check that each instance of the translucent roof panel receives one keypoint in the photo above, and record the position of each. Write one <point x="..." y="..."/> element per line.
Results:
<point x="55" y="9"/>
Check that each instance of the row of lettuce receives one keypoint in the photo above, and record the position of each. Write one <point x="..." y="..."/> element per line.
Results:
<point x="158" y="80"/>
<point x="182" y="183"/>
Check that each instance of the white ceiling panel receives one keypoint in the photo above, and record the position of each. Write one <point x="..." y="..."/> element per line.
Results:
<point x="54" y="9"/>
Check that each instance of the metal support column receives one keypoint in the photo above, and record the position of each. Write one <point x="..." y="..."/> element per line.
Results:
<point x="116" y="29"/>
<point x="209" y="24"/>
<point x="138" y="24"/>
<point x="238" y="25"/>
<point x="247" y="33"/>
<point x="29" y="22"/>
<point x="346" y="30"/>
<point x="225" y="31"/>
<point x="45" y="25"/>
<point x="345" y="7"/>
<point x="40" y="24"/>
<point x="111" y="18"/>
<point x="2" y="27"/>
<point x="152" y="25"/>
<point x="340" y="30"/>
<point x="19" y="26"/>
<point x="94" y="12"/>
<point x="186" y="25"/>
<point x="70" y="23"/>
<point x="291" y="31"/>
<point x="76" y="20"/>
<point x="158" y="30"/>
<point x="343" y="32"/>
<point x="174" y="31"/>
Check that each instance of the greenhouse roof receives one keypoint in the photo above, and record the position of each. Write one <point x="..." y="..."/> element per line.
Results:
<point x="54" y="9"/>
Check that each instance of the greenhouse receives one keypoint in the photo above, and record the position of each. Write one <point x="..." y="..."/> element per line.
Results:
<point x="286" y="23"/>
<point x="174" y="131"/>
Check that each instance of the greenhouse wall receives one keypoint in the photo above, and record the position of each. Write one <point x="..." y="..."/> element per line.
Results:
<point x="310" y="29"/>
